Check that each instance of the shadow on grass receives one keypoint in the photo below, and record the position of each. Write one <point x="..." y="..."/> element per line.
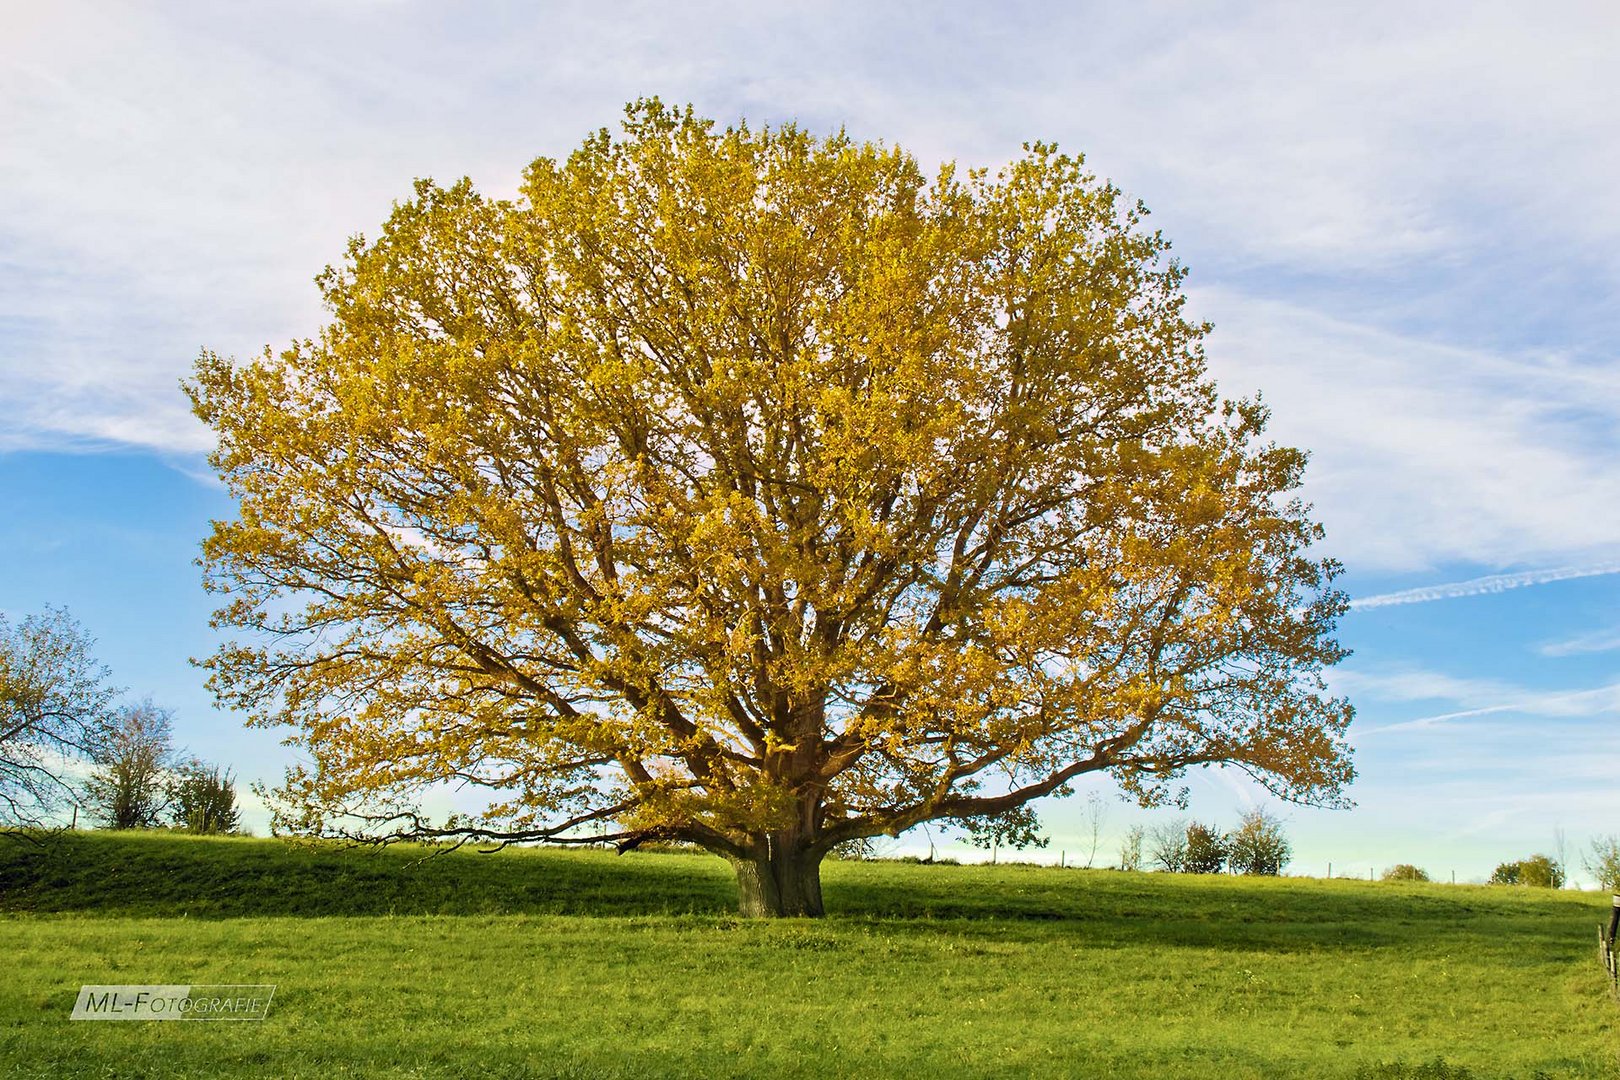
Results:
<point x="173" y="875"/>
<point x="158" y="874"/>
<point x="1267" y="914"/>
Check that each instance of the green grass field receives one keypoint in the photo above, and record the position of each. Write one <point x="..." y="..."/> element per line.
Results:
<point x="584" y="964"/>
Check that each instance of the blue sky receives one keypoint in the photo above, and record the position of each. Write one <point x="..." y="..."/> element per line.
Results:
<point x="1402" y="220"/>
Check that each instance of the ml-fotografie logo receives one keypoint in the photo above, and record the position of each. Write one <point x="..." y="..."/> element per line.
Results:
<point x="216" y="1002"/>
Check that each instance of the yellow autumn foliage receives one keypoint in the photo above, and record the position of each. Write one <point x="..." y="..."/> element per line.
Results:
<point x="758" y="489"/>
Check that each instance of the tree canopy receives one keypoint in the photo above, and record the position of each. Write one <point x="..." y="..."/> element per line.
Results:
<point x="759" y="490"/>
<point x="54" y="702"/>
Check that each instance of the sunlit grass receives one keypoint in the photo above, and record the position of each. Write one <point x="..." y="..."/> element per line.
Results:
<point x="591" y="964"/>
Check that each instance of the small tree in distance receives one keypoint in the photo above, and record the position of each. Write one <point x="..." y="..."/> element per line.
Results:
<point x="1130" y="848"/>
<point x="1406" y="872"/>
<point x="54" y="702"/>
<point x="203" y="799"/>
<point x="1602" y="861"/>
<point x="1167" y="844"/>
<point x="1257" y="845"/>
<point x="1018" y="828"/>
<point x="1206" y="850"/>
<point x="128" y="786"/>
<point x="1541" y="872"/>
<point x="1094" y="817"/>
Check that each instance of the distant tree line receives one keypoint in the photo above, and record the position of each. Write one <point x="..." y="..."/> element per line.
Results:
<point x="1539" y="871"/>
<point x="139" y="780"/>
<point x="64" y="747"/>
<point x="1257" y="845"/>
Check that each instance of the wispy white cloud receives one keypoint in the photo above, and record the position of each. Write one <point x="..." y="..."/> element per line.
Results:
<point x="1409" y="683"/>
<point x="1606" y="640"/>
<point x="1498" y="583"/>
<point x="1426" y="453"/>
<point x="1433" y="721"/>
<point x="1474" y="698"/>
<point x="173" y="181"/>
<point x="1529" y="706"/>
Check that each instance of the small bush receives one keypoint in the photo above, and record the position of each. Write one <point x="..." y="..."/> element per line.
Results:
<point x="1536" y="872"/>
<point x="1206" y="850"/>
<point x="1257" y="845"/>
<point x="202" y="799"/>
<point x="1406" y="872"/>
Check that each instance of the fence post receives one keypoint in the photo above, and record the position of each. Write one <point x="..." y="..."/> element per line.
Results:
<point x="1606" y="946"/>
<point x="1614" y="920"/>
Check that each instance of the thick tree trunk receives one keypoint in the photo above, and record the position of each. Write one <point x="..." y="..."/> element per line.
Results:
<point x="785" y="882"/>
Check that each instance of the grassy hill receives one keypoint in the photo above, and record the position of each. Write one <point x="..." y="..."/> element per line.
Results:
<point x="540" y="964"/>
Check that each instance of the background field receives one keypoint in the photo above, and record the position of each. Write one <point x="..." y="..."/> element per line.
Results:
<point x="539" y="964"/>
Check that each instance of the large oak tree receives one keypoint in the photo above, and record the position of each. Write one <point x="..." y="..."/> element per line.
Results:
<point x="757" y="490"/>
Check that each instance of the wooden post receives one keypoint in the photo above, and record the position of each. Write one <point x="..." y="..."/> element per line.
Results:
<point x="1606" y="936"/>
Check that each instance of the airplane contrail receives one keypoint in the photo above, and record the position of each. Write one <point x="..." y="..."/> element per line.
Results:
<point x="1481" y="586"/>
